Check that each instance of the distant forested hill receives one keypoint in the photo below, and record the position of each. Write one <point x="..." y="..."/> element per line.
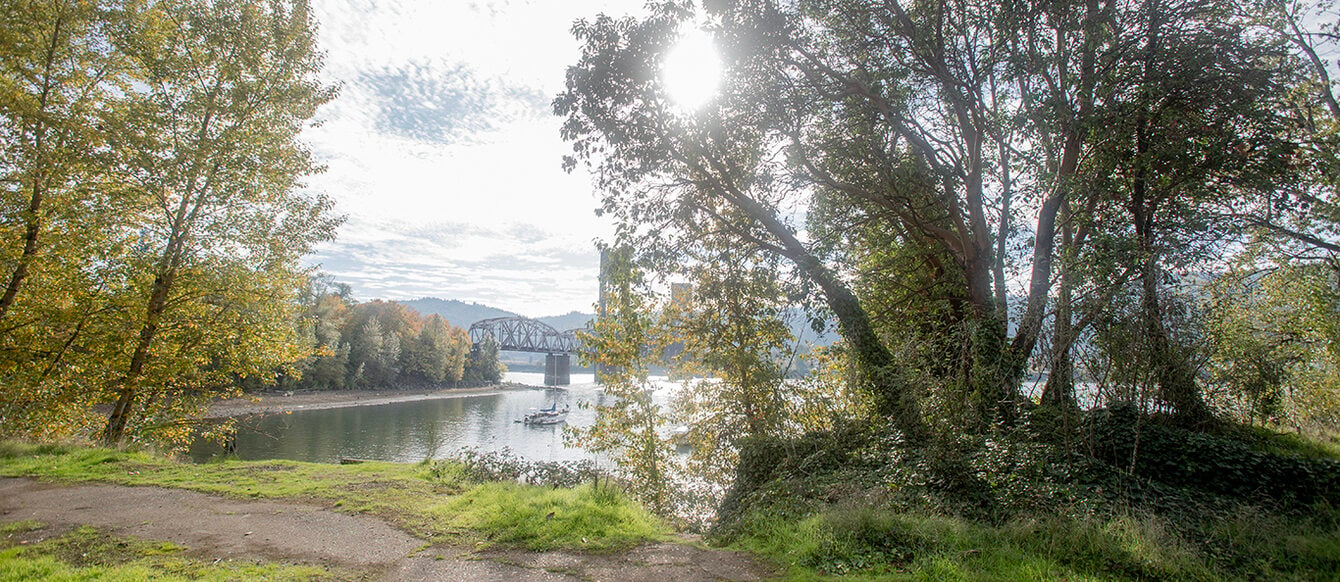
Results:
<point x="571" y="320"/>
<point x="457" y="313"/>
<point x="462" y="314"/>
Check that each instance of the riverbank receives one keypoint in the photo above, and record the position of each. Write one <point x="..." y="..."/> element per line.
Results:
<point x="280" y="402"/>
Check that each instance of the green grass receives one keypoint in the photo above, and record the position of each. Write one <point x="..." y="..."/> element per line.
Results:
<point x="1271" y="441"/>
<point x="16" y="527"/>
<point x="89" y="554"/>
<point x="869" y="543"/>
<point x="429" y="500"/>
<point x="542" y="519"/>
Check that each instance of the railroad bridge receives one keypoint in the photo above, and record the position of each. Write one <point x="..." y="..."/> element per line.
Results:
<point x="522" y="334"/>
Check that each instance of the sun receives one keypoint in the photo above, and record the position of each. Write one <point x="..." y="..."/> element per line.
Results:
<point x="692" y="71"/>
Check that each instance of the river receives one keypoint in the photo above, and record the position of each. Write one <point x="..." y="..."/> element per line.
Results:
<point x="421" y="429"/>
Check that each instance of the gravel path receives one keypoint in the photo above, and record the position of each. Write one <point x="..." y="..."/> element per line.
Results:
<point x="216" y="527"/>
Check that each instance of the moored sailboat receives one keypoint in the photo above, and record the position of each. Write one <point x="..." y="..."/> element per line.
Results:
<point x="551" y="415"/>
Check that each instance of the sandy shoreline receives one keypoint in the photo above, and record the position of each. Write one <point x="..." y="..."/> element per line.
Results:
<point x="278" y="402"/>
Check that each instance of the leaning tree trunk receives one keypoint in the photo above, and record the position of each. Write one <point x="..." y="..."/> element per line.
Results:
<point x="129" y="387"/>
<point x="873" y="359"/>
<point x="1176" y="381"/>
<point x="1059" y="392"/>
<point x="167" y="268"/>
<point x="874" y="362"/>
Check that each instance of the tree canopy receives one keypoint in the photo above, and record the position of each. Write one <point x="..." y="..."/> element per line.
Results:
<point x="974" y="191"/>
<point x="154" y="207"/>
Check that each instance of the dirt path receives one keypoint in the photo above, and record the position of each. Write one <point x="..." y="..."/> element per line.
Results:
<point x="215" y="527"/>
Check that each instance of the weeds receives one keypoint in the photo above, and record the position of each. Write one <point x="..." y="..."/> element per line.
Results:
<point x="504" y="465"/>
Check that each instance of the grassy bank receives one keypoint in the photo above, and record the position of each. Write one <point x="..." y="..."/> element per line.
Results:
<point x="437" y="501"/>
<point x="829" y="506"/>
<point x="881" y="543"/>
<point x="1245" y="505"/>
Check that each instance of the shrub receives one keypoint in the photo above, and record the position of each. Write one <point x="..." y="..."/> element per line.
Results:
<point x="1209" y="463"/>
<point x="505" y="465"/>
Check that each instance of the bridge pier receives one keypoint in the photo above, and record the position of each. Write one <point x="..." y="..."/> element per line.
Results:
<point x="556" y="370"/>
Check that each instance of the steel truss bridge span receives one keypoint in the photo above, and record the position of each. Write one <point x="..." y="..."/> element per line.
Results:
<point x="522" y="334"/>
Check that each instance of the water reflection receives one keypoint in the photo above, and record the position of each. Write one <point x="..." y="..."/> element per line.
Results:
<point x="413" y="431"/>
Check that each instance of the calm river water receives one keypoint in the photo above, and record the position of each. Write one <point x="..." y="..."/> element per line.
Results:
<point x="413" y="431"/>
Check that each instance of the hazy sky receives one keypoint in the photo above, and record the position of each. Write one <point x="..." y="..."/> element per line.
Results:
<point x="444" y="154"/>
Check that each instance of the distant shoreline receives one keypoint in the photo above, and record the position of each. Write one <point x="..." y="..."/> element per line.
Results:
<point x="280" y="402"/>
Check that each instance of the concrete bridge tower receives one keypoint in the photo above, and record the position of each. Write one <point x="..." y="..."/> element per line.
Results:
<point x="556" y="370"/>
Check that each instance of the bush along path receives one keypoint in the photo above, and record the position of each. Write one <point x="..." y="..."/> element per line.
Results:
<point x="71" y="513"/>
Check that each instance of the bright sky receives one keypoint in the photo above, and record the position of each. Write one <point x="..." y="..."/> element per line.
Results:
<point x="443" y="152"/>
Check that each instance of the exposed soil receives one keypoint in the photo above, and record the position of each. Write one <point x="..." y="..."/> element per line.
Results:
<point x="273" y="402"/>
<point x="219" y="528"/>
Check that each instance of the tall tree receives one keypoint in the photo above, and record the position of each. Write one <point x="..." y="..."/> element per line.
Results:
<point x="482" y="367"/>
<point x="664" y="172"/>
<point x="380" y="335"/>
<point x="437" y="354"/>
<point x="904" y="112"/>
<point x="1195" y="132"/>
<point x="326" y="310"/>
<point x="212" y="142"/>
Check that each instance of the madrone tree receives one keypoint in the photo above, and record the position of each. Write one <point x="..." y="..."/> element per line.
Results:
<point x="965" y="137"/>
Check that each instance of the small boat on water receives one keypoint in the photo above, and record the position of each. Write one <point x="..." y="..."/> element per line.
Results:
<point x="551" y="415"/>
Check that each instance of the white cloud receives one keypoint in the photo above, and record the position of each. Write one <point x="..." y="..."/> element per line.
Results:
<point x="441" y="150"/>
